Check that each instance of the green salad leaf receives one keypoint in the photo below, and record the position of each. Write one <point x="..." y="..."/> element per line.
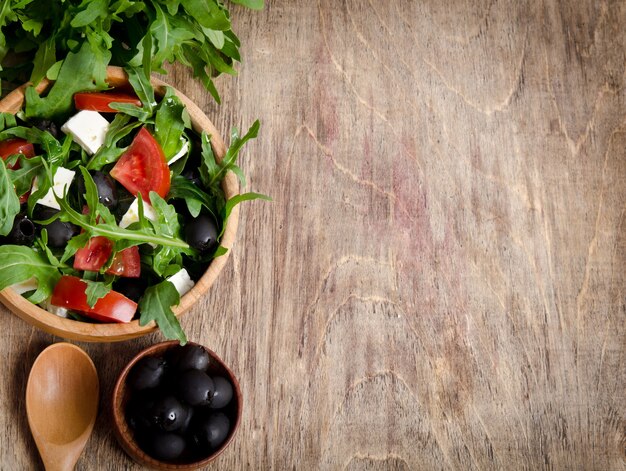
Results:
<point x="28" y="170"/>
<point x="110" y="152"/>
<point x="140" y="81"/>
<point x="169" y="124"/>
<point x="195" y="33"/>
<point x="254" y="4"/>
<point x="96" y="290"/>
<point x="80" y="71"/>
<point x="155" y="305"/>
<point x="19" y="263"/>
<point x="114" y="232"/>
<point x="9" y="202"/>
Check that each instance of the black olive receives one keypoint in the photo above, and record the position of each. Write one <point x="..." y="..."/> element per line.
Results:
<point x="124" y="199"/>
<point x="138" y="410"/>
<point x="23" y="232"/>
<point x="59" y="233"/>
<point x="201" y="233"/>
<point x="193" y="176"/>
<point x="222" y="393"/>
<point x="190" y="357"/>
<point x="195" y="387"/>
<point x="107" y="190"/>
<point x="211" y="431"/>
<point x="147" y="373"/>
<point x="165" y="445"/>
<point x="168" y="414"/>
<point x="47" y="125"/>
<point x="132" y="288"/>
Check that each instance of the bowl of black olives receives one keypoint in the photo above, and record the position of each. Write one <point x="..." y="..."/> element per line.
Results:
<point x="176" y="407"/>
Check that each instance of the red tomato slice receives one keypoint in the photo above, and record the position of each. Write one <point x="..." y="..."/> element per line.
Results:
<point x="112" y="307"/>
<point x="126" y="263"/>
<point x="100" y="101"/>
<point x="94" y="255"/>
<point x="143" y="168"/>
<point x="16" y="146"/>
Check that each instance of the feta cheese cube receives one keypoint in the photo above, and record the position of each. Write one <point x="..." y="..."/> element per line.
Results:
<point x="61" y="182"/>
<point x="25" y="286"/>
<point x="56" y="310"/>
<point x="132" y="215"/>
<point x="88" y="128"/>
<point x="181" y="281"/>
<point x="180" y="154"/>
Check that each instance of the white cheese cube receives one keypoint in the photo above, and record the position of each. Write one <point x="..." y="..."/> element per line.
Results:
<point x="132" y="215"/>
<point x="180" y="154"/>
<point x="56" y="310"/>
<point x="61" y="182"/>
<point x="25" y="286"/>
<point x="181" y="281"/>
<point x="88" y="128"/>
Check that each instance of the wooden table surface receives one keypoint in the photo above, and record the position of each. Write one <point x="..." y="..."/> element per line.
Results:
<point x="440" y="280"/>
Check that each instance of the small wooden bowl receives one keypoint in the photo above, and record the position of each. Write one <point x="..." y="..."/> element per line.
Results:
<point x="121" y="396"/>
<point x="91" y="332"/>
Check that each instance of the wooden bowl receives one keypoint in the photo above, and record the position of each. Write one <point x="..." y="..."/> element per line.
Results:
<point x="91" y="332"/>
<point x="122" y="393"/>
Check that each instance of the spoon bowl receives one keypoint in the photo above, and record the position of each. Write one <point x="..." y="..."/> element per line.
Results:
<point x="62" y="403"/>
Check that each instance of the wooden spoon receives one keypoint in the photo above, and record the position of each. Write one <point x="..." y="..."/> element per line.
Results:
<point x="62" y="403"/>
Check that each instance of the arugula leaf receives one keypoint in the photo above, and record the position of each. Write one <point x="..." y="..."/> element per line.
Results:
<point x="253" y="4"/>
<point x="94" y="9"/>
<point x="77" y="242"/>
<point x="155" y="305"/>
<point x="95" y="290"/>
<point x="169" y="34"/>
<point x="191" y="54"/>
<point x="217" y="38"/>
<point x="42" y="243"/>
<point x="209" y="166"/>
<point x="105" y="214"/>
<point x="214" y="172"/>
<point x="166" y="224"/>
<point x="91" y="195"/>
<point x="19" y="263"/>
<point x="45" y="58"/>
<point x="56" y="153"/>
<point x="9" y="202"/>
<point x="193" y="195"/>
<point x="208" y="13"/>
<point x="234" y="201"/>
<point x="168" y="123"/>
<point x="115" y="232"/>
<point x="23" y="177"/>
<point x="80" y="71"/>
<point x="7" y="120"/>
<point x="120" y="127"/>
<point x="140" y="81"/>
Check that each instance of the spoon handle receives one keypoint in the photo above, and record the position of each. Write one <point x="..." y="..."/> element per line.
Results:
<point x="59" y="458"/>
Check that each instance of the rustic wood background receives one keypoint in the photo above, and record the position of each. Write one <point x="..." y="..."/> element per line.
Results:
<point x="440" y="281"/>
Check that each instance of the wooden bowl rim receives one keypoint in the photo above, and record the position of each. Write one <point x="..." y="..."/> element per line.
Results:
<point x="122" y="430"/>
<point x="112" y="332"/>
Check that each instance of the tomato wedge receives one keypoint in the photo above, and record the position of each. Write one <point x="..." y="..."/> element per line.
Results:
<point x="100" y="101"/>
<point x="126" y="263"/>
<point x="70" y="293"/>
<point x="94" y="255"/>
<point x="143" y="168"/>
<point x="11" y="147"/>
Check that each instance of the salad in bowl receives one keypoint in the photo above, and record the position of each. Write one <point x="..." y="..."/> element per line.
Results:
<point x="118" y="204"/>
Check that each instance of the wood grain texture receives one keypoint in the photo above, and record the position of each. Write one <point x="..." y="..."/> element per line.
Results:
<point x="439" y="282"/>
